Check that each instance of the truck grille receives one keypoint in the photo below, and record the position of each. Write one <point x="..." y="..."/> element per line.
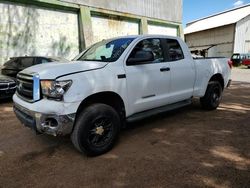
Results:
<point x="28" y="87"/>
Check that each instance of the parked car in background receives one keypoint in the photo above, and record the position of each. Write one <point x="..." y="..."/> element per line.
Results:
<point x="246" y="62"/>
<point x="237" y="58"/>
<point x="7" y="87"/>
<point x="17" y="64"/>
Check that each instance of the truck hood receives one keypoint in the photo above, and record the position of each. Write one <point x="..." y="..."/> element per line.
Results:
<point x="58" y="69"/>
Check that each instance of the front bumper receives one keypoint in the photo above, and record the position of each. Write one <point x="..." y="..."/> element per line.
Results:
<point x="56" y="125"/>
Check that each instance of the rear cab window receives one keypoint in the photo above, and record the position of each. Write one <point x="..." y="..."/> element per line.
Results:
<point x="174" y="50"/>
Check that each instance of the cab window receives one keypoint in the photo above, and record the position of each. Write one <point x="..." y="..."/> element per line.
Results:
<point x="152" y="45"/>
<point x="174" y="51"/>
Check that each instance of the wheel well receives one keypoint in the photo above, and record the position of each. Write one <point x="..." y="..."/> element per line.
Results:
<point x="109" y="98"/>
<point x="218" y="77"/>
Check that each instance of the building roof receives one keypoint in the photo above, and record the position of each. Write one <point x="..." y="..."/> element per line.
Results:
<point x="217" y="20"/>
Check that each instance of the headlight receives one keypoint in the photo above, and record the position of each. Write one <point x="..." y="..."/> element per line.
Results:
<point x="55" y="89"/>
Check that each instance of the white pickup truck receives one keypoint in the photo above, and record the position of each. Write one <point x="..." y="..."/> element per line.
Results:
<point x="112" y="82"/>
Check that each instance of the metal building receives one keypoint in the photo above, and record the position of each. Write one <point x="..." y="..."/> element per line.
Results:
<point x="221" y="34"/>
<point x="65" y="27"/>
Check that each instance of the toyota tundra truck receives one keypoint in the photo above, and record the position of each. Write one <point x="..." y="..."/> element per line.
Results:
<point x="113" y="82"/>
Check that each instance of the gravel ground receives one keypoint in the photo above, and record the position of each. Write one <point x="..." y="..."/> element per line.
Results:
<point x="186" y="148"/>
<point x="241" y="74"/>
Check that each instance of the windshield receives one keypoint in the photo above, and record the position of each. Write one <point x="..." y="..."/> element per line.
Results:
<point x="11" y="63"/>
<point x="236" y="56"/>
<point x="59" y="59"/>
<point x="106" y="51"/>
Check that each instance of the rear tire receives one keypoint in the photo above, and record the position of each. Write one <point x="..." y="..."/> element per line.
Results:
<point x="212" y="97"/>
<point x="96" y="129"/>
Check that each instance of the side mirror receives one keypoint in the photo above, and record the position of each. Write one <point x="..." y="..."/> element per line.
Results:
<point x="141" y="57"/>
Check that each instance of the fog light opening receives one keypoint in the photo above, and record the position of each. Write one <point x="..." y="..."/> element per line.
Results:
<point x="51" y="122"/>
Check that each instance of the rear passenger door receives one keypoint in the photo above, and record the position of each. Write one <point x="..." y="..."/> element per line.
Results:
<point x="182" y="72"/>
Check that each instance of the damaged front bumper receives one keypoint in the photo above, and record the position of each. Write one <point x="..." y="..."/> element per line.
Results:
<point x="53" y="124"/>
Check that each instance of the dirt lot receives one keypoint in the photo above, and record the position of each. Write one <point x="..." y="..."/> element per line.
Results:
<point x="241" y="74"/>
<point x="186" y="148"/>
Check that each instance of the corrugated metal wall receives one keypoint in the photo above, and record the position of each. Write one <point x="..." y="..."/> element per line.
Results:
<point x="170" y="10"/>
<point x="27" y="30"/>
<point x="221" y="37"/>
<point x="242" y="36"/>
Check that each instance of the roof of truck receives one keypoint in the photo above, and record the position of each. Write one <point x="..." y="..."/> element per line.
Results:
<point x="143" y="36"/>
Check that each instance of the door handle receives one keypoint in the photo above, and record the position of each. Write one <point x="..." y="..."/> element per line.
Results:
<point x="164" y="69"/>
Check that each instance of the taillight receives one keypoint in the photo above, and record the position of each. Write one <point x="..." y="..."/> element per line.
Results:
<point x="230" y="64"/>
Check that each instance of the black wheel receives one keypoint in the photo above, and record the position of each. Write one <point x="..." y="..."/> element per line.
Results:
<point x="96" y="129"/>
<point x="212" y="97"/>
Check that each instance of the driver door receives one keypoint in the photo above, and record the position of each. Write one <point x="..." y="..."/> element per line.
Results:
<point x="148" y="82"/>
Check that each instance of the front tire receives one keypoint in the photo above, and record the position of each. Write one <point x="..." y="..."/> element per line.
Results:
<point x="96" y="129"/>
<point x="212" y="97"/>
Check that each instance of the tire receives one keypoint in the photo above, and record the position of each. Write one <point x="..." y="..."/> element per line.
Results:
<point x="212" y="97"/>
<point x="96" y="129"/>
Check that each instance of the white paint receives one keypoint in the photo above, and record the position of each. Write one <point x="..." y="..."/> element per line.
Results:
<point x="105" y="28"/>
<point x="162" y="30"/>
<point x="247" y="46"/>
<point x="188" y="78"/>
<point x="28" y="30"/>
<point x="242" y="36"/>
<point x="218" y="20"/>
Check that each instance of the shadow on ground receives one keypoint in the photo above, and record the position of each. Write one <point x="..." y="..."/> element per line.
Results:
<point x="189" y="147"/>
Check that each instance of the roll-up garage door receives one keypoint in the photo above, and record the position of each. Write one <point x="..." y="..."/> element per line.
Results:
<point x="105" y="27"/>
<point x="162" y="30"/>
<point x="29" y="30"/>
